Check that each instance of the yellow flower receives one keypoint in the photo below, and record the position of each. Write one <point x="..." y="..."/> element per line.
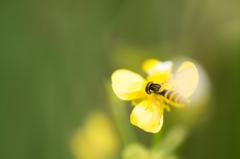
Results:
<point x="97" y="139"/>
<point x="148" y="111"/>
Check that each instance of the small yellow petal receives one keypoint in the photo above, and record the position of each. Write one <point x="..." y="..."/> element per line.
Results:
<point x="157" y="71"/>
<point x="158" y="77"/>
<point x="149" y="64"/>
<point x="148" y="115"/>
<point x="167" y="108"/>
<point x="128" y="85"/>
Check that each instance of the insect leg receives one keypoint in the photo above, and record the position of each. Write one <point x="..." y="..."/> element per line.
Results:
<point x="148" y="106"/>
<point x="160" y="114"/>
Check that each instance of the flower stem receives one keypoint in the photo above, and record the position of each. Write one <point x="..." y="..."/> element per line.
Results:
<point x="156" y="138"/>
<point x="121" y="117"/>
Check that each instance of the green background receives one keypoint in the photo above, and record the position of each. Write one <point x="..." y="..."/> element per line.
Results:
<point x="56" y="55"/>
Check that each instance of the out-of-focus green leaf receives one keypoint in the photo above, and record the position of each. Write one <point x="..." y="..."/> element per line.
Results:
<point x="171" y="140"/>
<point x="135" y="151"/>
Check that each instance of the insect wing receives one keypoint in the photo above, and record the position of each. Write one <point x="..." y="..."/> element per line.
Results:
<point x="185" y="80"/>
<point x="180" y="75"/>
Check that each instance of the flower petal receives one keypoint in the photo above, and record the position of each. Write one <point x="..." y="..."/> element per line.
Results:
<point x="157" y="71"/>
<point x="149" y="64"/>
<point x="128" y="85"/>
<point x="148" y="115"/>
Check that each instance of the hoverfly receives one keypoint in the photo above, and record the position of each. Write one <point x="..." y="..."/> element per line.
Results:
<point x="178" y="87"/>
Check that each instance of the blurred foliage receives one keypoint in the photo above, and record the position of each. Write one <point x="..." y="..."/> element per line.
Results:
<point x="55" y="55"/>
<point x="165" y="149"/>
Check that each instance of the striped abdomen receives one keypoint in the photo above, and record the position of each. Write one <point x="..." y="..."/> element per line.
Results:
<point x="174" y="97"/>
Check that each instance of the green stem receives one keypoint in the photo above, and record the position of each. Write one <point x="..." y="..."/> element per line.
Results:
<point x="121" y="117"/>
<point x="156" y="138"/>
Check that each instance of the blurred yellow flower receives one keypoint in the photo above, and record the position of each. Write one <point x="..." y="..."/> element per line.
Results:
<point x="96" y="140"/>
<point x="149" y="105"/>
